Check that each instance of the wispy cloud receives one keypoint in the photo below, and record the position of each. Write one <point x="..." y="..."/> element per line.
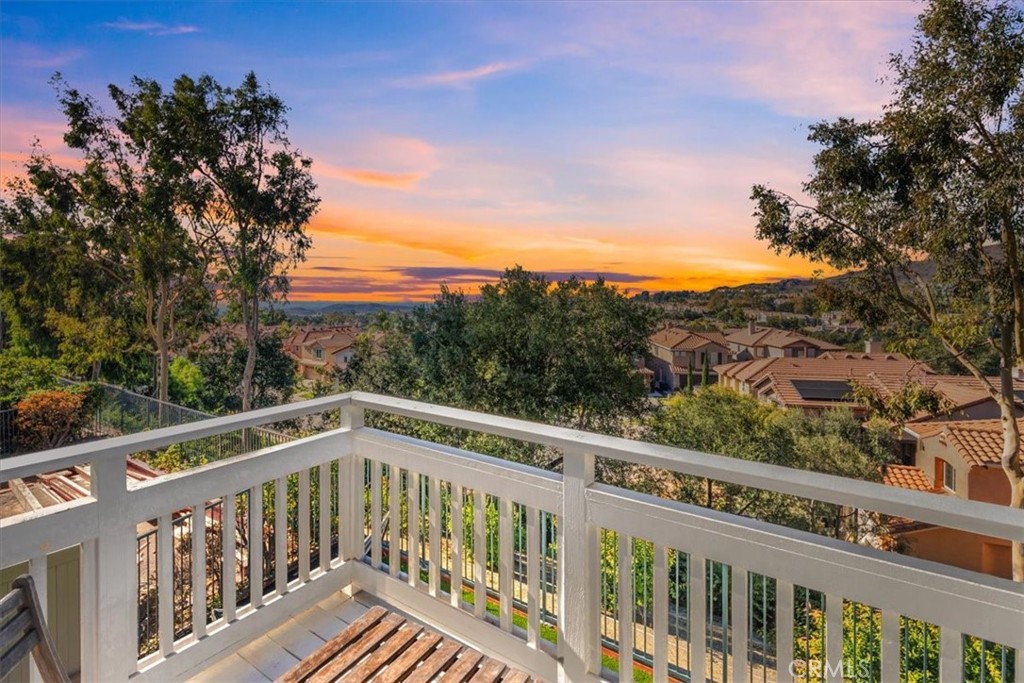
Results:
<point x="153" y="28"/>
<point x="458" y="79"/>
<point x="31" y="56"/>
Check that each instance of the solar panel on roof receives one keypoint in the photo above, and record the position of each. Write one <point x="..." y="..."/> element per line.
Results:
<point x="822" y="390"/>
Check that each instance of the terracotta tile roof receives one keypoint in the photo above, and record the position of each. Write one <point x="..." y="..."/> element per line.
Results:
<point x="860" y="355"/>
<point x="678" y="339"/>
<point x="885" y="374"/>
<point x="959" y="391"/>
<point x="979" y="442"/>
<point x="769" y="336"/>
<point x="923" y="430"/>
<point x="793" y="392"/>
<point x="746" y="369"/>
<point x="907" y="477"/>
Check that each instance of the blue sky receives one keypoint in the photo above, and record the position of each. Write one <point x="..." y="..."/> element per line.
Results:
<point x="452" y="140"/>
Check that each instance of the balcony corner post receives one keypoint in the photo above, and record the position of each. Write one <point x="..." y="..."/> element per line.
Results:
<point x="578" y="578"/>
<point x="353" y="418"/>
<point x="111" y="611"/>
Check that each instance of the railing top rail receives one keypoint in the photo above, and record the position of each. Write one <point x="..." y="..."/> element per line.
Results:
<point x="120" y="446"/>
<point x="984" y="518"/>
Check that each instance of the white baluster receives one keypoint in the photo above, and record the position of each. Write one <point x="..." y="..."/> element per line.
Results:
<point x="505" y="562"/>
<point x="165" y="582"/>
<point x="625" y="608"/>
<point x="434" y="534"/>
<point x="304" y="530"/>
<point x="199" y="570"/>
<point x="784" y="631"/>
<point x="256" y="546"/>
<point x="281" y="535"/>
<point x="228" y="561"/>
<point x="456" y="548"/>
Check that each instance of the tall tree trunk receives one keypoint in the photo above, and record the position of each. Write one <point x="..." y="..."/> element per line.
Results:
<point x="1014" y="470"/>
<point x="250" y="320"/>
<point x="163" y="352"/>
<point x="1011" y="460"/>
<point x="163" y="362"/>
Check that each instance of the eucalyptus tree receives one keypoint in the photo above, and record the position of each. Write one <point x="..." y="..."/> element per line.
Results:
<point x="250" y="194"/>
<point x="926" y="202"/>
<point x="131" y="186"/>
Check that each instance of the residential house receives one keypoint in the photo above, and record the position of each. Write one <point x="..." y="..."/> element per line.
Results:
<point x="675" y="352"/>
<point x="819" y="383"/>
<point x="320" y="350"/>
<point x="958" y="458"/>
<point x="767" y="342"/>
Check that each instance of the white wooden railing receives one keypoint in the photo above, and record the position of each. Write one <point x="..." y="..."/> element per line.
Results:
<point x="561" y="575"/>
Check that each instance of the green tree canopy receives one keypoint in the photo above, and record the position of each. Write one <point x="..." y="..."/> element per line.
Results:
<point x="724" y="422"/>
<point x="926" y="202"/>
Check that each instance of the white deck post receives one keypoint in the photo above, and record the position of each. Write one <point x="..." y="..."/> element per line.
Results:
<point x="578" y="564"/>
<point x="117" y="554"/>
<point x="352" y="508"/>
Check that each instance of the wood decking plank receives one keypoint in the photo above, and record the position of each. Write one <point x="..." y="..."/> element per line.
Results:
<point x="356" y="650"/>
<point x="334" y="645"/>
<point x="388" y="650"/>
<point x="436" y="663"/>
<point x="464" y="667"/>
<point x="516" y="677"/>
<point x="410" y="658"/>
<point x="490" y="672"/>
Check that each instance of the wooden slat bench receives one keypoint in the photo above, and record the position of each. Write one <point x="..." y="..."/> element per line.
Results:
<point x="384" y="647"/>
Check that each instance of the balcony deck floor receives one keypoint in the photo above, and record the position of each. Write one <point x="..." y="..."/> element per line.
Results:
<point x="274" y="653"/>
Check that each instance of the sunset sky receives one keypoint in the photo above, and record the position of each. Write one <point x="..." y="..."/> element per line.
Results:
<point x="451" y="141"/>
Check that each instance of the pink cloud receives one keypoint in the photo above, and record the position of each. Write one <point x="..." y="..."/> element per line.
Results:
<point x="819" y="59"/>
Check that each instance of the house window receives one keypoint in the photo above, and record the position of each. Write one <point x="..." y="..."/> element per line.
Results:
<point x="948" y="476"/>
<point x="318" y="354"/>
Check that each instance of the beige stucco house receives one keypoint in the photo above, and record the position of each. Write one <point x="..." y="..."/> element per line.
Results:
<point x="956" y="458"/>
<point x="675" y="352"/>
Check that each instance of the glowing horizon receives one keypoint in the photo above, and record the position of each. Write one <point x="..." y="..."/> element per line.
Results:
<point x="450" y="142"/>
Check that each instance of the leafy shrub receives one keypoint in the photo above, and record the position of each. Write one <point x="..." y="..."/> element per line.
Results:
<point x="51" y="418"/>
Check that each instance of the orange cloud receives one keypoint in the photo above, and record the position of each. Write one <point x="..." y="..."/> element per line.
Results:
<point x="394" y="181"/>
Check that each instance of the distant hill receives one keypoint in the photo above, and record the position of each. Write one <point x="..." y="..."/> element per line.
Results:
<point x="310" y="308"/>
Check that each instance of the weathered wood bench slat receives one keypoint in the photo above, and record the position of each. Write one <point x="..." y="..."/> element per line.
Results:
<point x="384" y="647"/>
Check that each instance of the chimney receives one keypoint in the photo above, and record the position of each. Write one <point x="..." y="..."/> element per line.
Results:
<point x="873" y="346"/>
<point x="752" y="327"/>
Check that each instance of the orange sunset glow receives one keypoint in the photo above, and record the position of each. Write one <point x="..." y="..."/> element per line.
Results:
<point x="450" y="142"/>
